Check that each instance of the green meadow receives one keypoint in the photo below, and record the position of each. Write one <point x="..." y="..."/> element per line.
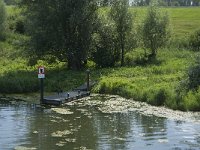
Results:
<point x="156" y="83"/>
<point x="184" y="20"/>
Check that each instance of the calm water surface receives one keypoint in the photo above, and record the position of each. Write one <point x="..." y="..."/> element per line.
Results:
<point x="29" y="127"/>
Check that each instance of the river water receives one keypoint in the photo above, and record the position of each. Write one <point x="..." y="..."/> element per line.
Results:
<point x="97" y="123"/>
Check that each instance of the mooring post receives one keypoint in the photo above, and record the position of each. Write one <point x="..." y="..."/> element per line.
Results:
<point x="67" y="95"/>
<point x="88" y="80"/>
<point x="41" y="76"/>
<point x="41" y="90"/>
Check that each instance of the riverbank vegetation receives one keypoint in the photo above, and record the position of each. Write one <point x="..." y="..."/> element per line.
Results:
<point x="170" y="79"/>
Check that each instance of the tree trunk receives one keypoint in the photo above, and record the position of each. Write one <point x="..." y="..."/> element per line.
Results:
<point x="74" y="63"/>
<point x="122" y="51"/>
<point x="152" y="56"/>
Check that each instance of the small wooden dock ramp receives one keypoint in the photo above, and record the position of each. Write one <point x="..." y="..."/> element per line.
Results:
<point x="64" y="97"/>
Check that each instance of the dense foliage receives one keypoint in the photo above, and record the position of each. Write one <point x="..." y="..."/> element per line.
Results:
<point x="106" y="50"/>
<point x="2" y="20"/>
<point x="155" y="29"/>
<point x="194" y="75"/>
<point x="123" y="23"/>
<point x="62" y="28"/>
<point x="194" y="41"/>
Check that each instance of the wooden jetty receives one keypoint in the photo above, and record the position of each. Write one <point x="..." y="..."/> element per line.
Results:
<point x="64" y="97"/>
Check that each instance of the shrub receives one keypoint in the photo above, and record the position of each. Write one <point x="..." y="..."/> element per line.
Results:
<point x="161" y="97"/>
<point x="135" y="57"/>
<point x="16" y="20"/>
<point x="194" y="75"/>
<point x="192" y="100"/>
<point x="194" y="41"/>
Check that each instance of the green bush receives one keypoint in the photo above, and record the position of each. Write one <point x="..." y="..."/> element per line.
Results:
<point x="135" y="57"/>
<point x="194" y="75"/>
<point x="194" y="41"/>
<point x="180" y="43"/>
<point x="161" y="95"/>
<point x="15" y="19"/>
<point x="192" y="101"/>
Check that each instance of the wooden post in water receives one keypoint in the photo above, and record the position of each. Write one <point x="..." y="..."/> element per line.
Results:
<point x="41" y="76"/>
<point x="88" y="80"/>
<point x="41" y="90"/>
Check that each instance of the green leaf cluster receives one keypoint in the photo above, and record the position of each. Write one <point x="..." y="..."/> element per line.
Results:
<point x="155" y="29"/>
<point x="62" y="28"/>
<point x="2" y="19"/>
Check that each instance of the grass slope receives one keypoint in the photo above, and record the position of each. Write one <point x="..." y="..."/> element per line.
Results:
<point x="154" y="83"/>
<point x="184" y="20"/>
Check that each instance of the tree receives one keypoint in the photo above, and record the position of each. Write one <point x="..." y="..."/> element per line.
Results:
<point x="106" y="51"/>
<point x="62" y="28"/>
<point x="123" y="23"/>
<point x="2" y="19"/>
<point x="155" y="29"/>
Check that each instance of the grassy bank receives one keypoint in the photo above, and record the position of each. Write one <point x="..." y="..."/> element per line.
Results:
<point x="156" y="83"/>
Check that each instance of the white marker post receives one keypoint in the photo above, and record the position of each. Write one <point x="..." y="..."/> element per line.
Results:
<point x="41" y="76"/>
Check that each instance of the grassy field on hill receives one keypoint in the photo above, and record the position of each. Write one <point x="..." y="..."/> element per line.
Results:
<point x="184" y="20"/>
<point x="155" y="83"/>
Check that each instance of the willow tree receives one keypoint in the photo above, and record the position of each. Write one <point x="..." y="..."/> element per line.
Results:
<point x="62" y="28"/>
<point x="155" y="29"/>
<point x="123" y="22"/>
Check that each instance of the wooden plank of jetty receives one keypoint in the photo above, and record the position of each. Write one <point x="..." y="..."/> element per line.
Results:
<point x="61" y="98"/>
<point x="64" y="97"/>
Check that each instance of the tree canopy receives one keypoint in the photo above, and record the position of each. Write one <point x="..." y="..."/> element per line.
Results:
<point x="62" y="28"/>
<point x="123" y="22"/>
<point x="2" y="19"/>
<point x="155" y="29"/>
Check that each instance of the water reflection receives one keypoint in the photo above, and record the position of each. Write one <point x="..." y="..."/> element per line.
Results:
<point x="113" y="130"/>
<point x="13" y="126"/>
<point x="152" y="127"/>
<point x="29" y="126"/>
